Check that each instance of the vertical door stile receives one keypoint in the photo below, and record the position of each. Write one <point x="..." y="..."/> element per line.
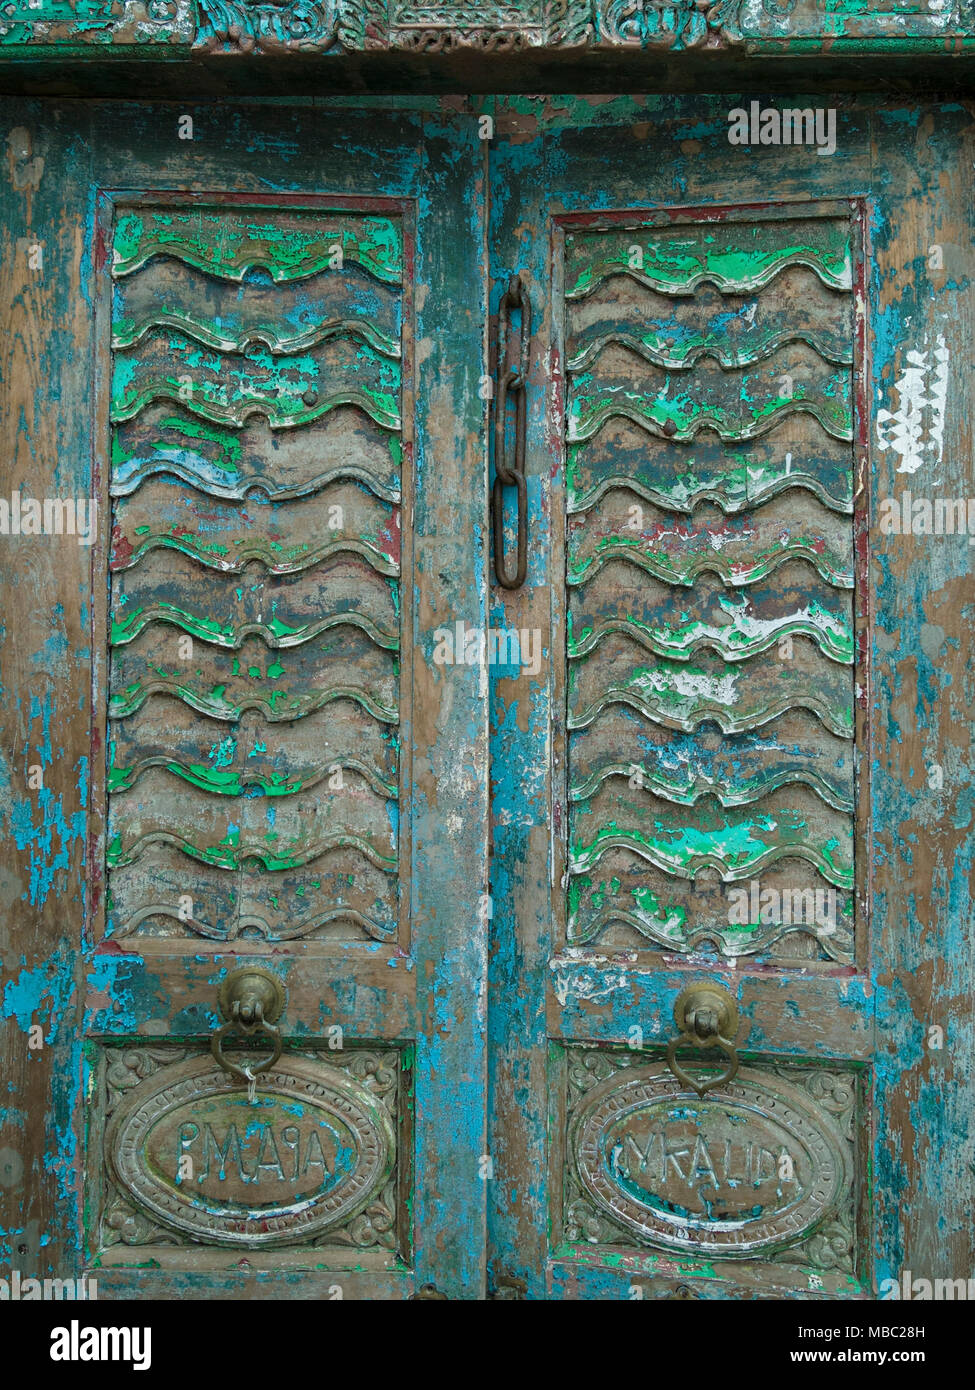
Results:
<point x="524" y="729"/>
<point x="450" y="732"/>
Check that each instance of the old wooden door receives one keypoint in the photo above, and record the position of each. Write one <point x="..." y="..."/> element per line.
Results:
<point x="241" y="359"/>
<point x="246" y="729"/>
<point x="735" y="787"/>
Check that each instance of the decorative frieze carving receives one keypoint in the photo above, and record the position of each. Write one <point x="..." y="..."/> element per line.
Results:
<point x="351" y="25"/>
<point x="319" y="26"/>
<point x="300" y="26"/>
<point x="357" y="26"/>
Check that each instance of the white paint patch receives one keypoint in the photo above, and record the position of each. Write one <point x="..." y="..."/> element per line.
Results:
<point x="719" y="539"/>
<point x="914" y="429"/>
<point x="881" y="20"/>
<point x="588" y="979"/>
<point x="720" y="690"/>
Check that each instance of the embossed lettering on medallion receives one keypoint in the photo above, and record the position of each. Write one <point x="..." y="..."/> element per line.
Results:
<point x="752" y="1167"/>
<point x="312" y="1150"/>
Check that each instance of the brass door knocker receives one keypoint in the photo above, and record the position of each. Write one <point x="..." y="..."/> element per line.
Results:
<point x="251" y="1000"/>
<point x="706" y="1017"/>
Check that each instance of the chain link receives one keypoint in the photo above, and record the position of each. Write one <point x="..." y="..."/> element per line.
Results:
<point x="512" y="379"/>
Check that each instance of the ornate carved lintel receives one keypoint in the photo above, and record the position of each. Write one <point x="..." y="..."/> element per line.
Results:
<point x="501" y="26"/>
<point x="325" y="26"/>
<point x="239" y="26"/>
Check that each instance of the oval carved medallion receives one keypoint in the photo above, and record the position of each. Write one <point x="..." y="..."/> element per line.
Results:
<point x="309" y="1152"/>
<point x="751" y="1167"/>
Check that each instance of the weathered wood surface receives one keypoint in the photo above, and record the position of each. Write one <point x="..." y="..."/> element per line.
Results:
<point x="231" y="669"/>
<point x="44" y="714"/>
<point x="629" y="752"/>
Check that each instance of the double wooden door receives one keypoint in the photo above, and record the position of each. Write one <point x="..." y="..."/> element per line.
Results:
<point x="375" y="929"/>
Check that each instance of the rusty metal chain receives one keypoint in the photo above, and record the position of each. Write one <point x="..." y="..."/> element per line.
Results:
<point x="512" y="378"/>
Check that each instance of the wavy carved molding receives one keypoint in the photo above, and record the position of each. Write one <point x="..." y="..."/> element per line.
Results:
<point x="255" y="563"/>
<point x="710" y="650"/>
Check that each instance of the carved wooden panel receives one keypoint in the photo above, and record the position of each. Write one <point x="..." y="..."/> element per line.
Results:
<point x="768" y="1165"/>
<point x="319" y="1159"/>
<point x="710" y="570"/>
<point x="256" y="468"/>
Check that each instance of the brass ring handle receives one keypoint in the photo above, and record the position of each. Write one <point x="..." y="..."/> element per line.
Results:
<point x="251" y="1000"/>
<point x="236" y="1024"/>
<point x="706" y="1017"/>
<point x="711" y="1082"/>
